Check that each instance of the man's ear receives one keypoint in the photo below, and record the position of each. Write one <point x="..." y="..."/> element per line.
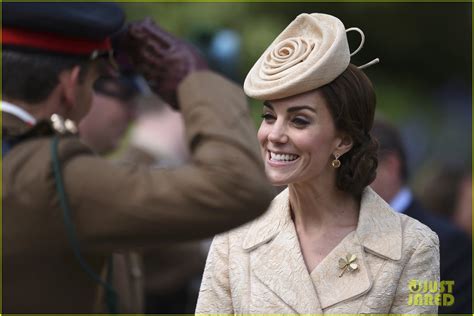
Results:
<point x="344" y="144"/>
<point x="69" y="82"/>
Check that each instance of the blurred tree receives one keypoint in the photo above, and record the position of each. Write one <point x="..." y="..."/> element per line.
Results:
<point x="426" y="41"/>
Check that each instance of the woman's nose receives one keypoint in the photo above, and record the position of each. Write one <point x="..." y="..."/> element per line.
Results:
<point x="278" y="134"/>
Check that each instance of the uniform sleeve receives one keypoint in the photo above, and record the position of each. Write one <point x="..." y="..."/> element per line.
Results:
<point x="214" y="295"/>
<point x="222" y="187"/>
<point x="422" y="266"/>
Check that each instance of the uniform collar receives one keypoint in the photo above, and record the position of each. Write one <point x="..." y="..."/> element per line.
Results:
<point x="379" y="228"/>
<point x="18" y="112"/>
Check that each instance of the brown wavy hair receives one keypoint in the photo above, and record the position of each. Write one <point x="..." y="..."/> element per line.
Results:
<point x="351" y="100"/>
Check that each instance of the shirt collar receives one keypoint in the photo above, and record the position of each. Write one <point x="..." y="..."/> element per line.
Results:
<point x="17" y="112"/>
<point x="402" y="200"/>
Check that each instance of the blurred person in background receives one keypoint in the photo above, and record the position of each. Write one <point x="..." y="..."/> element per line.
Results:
<point x="102" y="129"/>
<point x="111" y="113"/>
<point x="172" y="274"/>
<point x="447" y="191"/>
<point x="157" y="136"/>
<point x="391" y="183"/>
<point x="463" y="213"/>
<point x="159" y="280"/>
<point x="172" y="271"/>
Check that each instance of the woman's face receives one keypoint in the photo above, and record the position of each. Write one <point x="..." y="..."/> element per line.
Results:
<point x="298" y="139"/>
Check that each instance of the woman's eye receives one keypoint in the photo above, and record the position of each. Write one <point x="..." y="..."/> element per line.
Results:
<point x="300" y="122"/>
<point x="268" y="117"/>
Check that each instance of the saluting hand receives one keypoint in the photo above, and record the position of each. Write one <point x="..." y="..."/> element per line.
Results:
<point x="163" y="59"/>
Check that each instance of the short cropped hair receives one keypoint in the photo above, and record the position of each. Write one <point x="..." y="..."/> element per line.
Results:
<point x="32" y="76"/>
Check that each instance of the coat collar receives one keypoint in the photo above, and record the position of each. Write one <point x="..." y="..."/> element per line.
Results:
<point x="379" y="227"/>
<point x="273" y="243"/>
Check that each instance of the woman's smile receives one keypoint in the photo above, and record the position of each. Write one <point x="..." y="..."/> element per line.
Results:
<point x="281" y="159"/>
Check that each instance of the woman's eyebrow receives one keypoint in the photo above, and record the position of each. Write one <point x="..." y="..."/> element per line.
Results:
<point x="268" y="105"/>
<point x="301" y="107"/>
<point x="293" y="108"/>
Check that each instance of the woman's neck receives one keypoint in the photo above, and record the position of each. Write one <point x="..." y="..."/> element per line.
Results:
<point x="322" y="208"/>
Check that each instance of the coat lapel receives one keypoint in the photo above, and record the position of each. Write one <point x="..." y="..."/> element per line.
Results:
<point x="379" y="227"/>
<point x="276" y="258"/>
<point x="379" y="233"/>
<point x="277" y="261"/>
<point x="331" y="286"/>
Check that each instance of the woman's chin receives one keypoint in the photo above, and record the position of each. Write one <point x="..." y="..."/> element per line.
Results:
<point x="276" y="182"/>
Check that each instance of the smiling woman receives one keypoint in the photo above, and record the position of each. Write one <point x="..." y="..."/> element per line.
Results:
<point x="300" y="126"/>
<point x="344" y="110"/>
<point x="328" y="243"/>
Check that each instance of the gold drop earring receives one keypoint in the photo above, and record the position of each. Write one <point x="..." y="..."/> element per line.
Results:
<point x="336" y="163"/>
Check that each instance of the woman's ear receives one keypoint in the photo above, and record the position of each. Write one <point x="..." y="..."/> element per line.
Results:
<point x="345" y="144"/>
<point x="69" y="82"/>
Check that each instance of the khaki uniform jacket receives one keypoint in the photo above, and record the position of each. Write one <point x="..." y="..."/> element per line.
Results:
<point x="259" y="268"/>
<point x="124" y="207"/>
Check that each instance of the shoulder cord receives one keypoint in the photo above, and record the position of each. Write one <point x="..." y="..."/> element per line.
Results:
<point x="110" y="293"/>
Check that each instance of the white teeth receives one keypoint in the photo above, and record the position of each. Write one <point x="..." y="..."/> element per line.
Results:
<point x="282" y="157"/>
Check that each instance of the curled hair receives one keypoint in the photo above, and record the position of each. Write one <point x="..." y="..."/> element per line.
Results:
<point x="351" y="101"/>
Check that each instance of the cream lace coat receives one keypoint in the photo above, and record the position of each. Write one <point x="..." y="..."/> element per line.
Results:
<point x="259" y="269"/>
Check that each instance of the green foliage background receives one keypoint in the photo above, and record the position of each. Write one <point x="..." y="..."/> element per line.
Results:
<point x="423" y="82"/>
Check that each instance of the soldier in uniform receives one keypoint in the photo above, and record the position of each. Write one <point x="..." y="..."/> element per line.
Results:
<point x="64" y="209"/>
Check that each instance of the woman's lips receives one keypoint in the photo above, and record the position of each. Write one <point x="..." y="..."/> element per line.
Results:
<point x="280" y="158"/>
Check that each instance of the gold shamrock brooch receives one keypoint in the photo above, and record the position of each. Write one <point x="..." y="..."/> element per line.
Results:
<point x="348" y="263"/>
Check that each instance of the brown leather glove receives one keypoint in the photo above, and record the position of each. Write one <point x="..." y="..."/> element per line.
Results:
<point x="163" y="59"/>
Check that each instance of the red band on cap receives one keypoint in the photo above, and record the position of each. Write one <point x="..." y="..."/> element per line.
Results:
<point x="53" y="42"/>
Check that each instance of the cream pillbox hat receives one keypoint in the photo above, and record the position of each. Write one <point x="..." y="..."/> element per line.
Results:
<point x="312" y="51"/>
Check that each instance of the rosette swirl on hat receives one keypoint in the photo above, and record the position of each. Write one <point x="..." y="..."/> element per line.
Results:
<point x="285" y="55"/>
<point x="311" y="52"/>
